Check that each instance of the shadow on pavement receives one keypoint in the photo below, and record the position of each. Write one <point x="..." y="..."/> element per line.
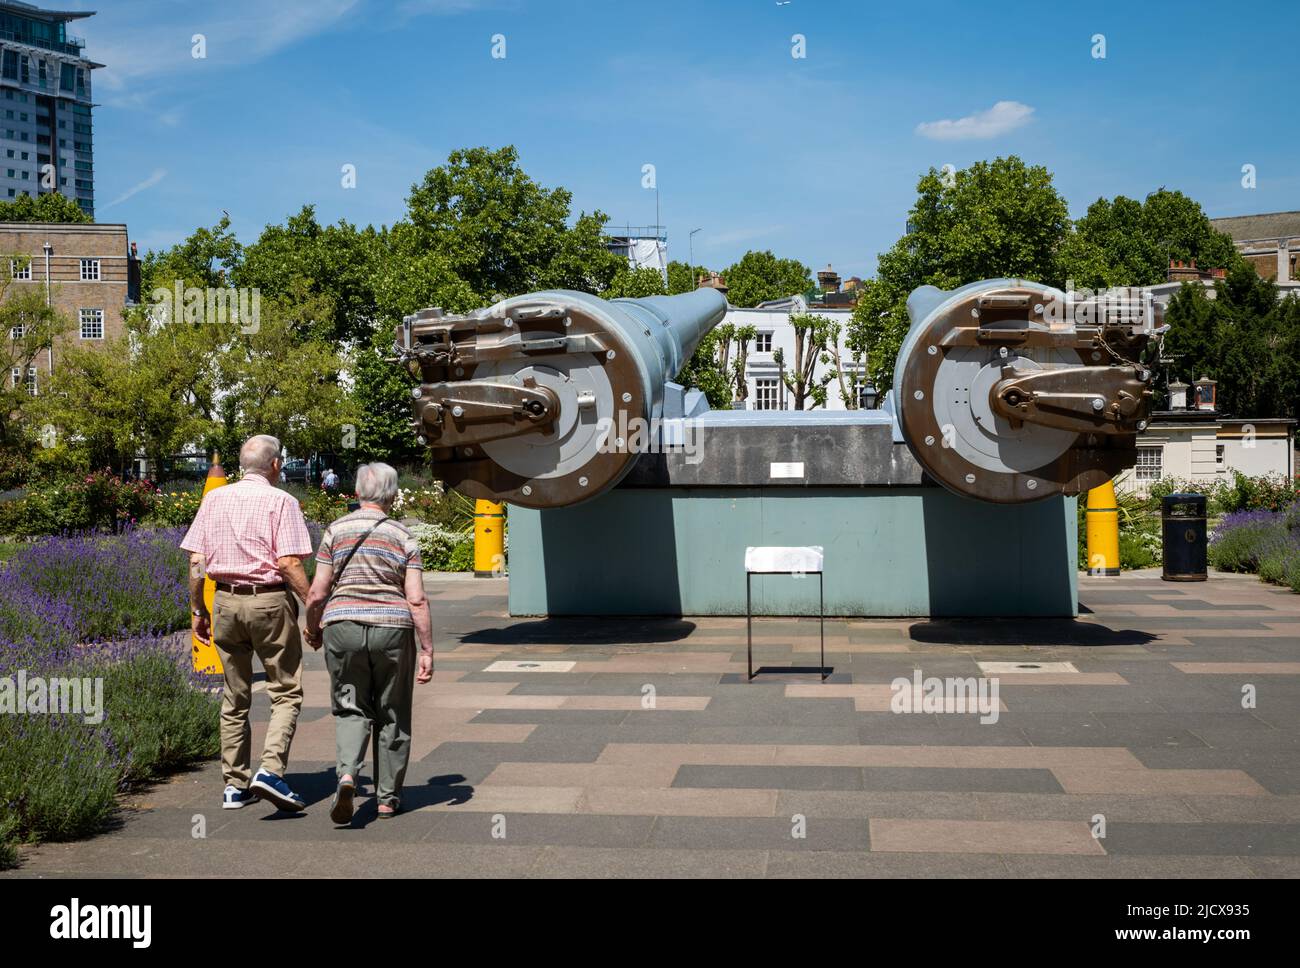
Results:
<point x="585" y="630"/>
<point x="1024" y="631"/>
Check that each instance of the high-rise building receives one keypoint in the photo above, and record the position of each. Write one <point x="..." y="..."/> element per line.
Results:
<point x="45" y="120"/>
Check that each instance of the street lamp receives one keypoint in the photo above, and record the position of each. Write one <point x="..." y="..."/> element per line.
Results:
<point x="690" y="243"/>
<point x="868" y="395"/>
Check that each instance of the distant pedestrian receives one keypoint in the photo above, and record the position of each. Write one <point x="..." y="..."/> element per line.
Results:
<point x="330" y="482"/>
<point x="250" y="537"/>
<point x="367" y="603"/>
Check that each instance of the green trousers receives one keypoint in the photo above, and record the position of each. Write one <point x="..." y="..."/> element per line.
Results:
<point x="372" y="680"/>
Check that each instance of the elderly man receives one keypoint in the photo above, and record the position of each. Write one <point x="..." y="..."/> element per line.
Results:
<point x="250" y="538"/>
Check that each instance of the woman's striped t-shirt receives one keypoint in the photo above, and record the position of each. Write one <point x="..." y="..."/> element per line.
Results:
<point x="372" y="589"/>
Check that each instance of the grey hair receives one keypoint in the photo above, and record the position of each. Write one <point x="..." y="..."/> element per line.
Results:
<point x="376" y="483"/>
<point x="259" y="453"/>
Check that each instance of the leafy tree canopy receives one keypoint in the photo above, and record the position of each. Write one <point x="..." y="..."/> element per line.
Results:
<point x="760" y="276"/>
<point x="50" y="207"/>
<point x="1123" y="242"/>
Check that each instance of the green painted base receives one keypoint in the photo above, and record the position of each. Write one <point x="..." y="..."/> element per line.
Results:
<point x="889" y="552"/>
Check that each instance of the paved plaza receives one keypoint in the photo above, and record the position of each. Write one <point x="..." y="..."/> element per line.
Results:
<point x="635" y="747"/>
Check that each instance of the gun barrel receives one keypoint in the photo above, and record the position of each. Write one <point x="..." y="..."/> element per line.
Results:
<point x="1010" y="391"/>
<point x="544" y="399"/>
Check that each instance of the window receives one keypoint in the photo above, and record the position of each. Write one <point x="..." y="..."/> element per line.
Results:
<point x="1149" y="462"/>
<point x="92" y="324"/>
<point x="17" y="332"/>
<point x="17" y="376"/>
<point x="1218" y="456"/>
<point x="89" y="270"/>
<point x="20" y="269"/>
<point x="765" y="393"/>
<point x="763" y="343"/>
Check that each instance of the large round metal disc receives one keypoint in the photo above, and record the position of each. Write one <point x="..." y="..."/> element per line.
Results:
<point x="576" y="436"/>
<point x="968" y="423"/>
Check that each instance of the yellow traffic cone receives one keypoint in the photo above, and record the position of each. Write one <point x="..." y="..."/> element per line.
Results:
<point x="204" y="654"/>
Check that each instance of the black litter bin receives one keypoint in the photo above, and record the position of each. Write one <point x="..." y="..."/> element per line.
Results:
<point x="1182" y="519"/>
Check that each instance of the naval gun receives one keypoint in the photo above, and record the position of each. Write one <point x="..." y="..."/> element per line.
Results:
<point x="1010" y="391"/>
<point x="1004" y="390"/>
<point x="545" y="400"/>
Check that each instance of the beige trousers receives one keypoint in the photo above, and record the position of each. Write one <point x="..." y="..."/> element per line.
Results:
<point x="265" y="626"/>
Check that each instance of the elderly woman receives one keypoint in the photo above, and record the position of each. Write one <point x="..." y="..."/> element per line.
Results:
<point x="367" y="603"/>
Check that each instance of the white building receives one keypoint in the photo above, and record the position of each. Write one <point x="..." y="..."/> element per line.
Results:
<point x="771" y="321"/>
<point x="1203" y="446"/>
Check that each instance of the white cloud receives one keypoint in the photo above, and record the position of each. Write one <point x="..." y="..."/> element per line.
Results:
<point x="1002" y="117"/>
<point x="158" y="175"/>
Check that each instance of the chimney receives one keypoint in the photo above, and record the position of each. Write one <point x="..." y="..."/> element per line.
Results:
<point x="715" y="281"/>
<point x="1204" y="394"/>
<point x="1178" y="395"/>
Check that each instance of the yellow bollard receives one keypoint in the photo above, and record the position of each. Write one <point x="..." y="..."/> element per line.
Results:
<point x="204" y="654"/>
<point x="1103" y="531"/>
<point x="489" y="539"/>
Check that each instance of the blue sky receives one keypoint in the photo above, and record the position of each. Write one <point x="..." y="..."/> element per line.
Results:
<point x="815" y="158"/>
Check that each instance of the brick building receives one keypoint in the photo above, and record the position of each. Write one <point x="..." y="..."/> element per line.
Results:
<point x="88" y="272"/>
<point x="1270" y="242"/>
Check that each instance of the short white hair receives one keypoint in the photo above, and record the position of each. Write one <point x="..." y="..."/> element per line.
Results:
<point x="376" y="483"/>
<point x="259" y="453"/>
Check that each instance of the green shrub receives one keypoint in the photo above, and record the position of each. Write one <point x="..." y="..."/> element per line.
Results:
<point x="462" y="556"/>
<point x="176" y="508"/>
<point x="8" y="841"/>
<point x="438" y="544"/>
<point x="322" y="506"/>
<point x="59" y="775"/>
<point x="157" y="715"/>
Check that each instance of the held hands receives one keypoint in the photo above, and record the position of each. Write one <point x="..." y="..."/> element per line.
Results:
<point x="314" y="639"/>
<point x="424" y="671"/>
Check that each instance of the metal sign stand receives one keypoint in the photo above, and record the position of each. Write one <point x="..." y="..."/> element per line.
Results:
<point x="784" y="561"/>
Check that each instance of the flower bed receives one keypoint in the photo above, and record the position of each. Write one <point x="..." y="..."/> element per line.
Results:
<point x="1265" y="543"/>
<point x="103" y="608"/>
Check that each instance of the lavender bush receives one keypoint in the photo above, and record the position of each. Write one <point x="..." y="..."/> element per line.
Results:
<point x="58" y="594"/>
<point x="1266" y="543"/>
<point x="98" y="606"/>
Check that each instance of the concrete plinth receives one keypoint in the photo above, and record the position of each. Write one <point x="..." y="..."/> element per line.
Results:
<point x="896" y="551"/>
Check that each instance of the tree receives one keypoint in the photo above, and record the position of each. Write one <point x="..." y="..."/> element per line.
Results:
<point x="50" y="207"/>
<point x="1245" y="338"/>
<point x="277" y="382"/>
<point x="478" y="229"/>
<point x="635" y="283"/>
<point x="206" y="259"/>
<point x="336" y="261"/>
<point x="1122" y="242"/>
<point x="999" y="218"/>
<point x="28" y="327"/>
<point x="684" y="278"/>
<point x="761" y="276"/>
<point x="381" y="396"/>
<point x="151" y="390"/>
<point x="812" y="334"/>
